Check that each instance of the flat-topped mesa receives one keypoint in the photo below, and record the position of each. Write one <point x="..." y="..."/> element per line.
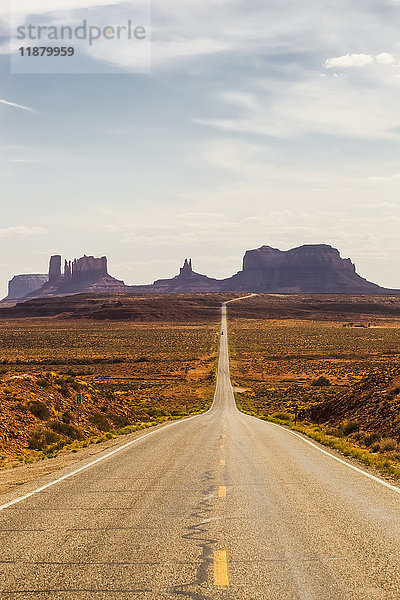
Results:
<point x="312" y="268"/>
<point x="309" y="256"/>
<point x="22" y="285"/>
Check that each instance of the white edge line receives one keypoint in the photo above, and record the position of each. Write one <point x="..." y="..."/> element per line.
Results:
<point x="376" y="479"/>
<point x="91" y="464"/>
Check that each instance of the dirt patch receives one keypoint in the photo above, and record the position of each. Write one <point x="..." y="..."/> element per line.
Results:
<point x="65" y="383"/>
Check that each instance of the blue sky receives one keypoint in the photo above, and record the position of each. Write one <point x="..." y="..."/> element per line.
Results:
<point x="260" y="123"/>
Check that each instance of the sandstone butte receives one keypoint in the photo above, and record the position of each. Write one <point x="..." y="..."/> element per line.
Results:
<point x="313" y="268"/>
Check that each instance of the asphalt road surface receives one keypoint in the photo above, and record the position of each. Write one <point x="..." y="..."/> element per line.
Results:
<point x="221" y="505"/>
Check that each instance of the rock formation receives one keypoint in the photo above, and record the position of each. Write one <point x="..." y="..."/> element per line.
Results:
<point x="22" y="285"/>
<point x="84" y="275"/>
<point x="312" y="269"/>
<point x="55" y="269"/>
<point x="316" y="268"/>
<point x="87" y="268"/>
<point x="188" y="281"/>
<point x="186" y="270"/>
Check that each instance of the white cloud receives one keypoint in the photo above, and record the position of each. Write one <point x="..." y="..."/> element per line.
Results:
<point x="360" y="60"/>
<point x="385" y="178"/>
<point x="15" y="105"/>
<point x="384" y="58"/>
<point x="349" y="60"/>
<point x="333" y="106"/>
<point x="21" y="231"/>
<point x="24" y="160"/>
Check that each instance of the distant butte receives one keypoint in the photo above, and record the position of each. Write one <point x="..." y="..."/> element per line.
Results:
<point x="188" y="281"/>
<point x="310" y="269"/>
<point x="313" y="268"/>
<point x="84" y="275"/>
<point x="22" y="285"/>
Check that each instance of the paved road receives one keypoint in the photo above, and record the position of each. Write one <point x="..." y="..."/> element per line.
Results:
<point x="218" y="506"/>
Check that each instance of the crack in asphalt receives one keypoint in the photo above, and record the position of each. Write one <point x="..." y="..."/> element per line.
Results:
<point x="199" y="534"/>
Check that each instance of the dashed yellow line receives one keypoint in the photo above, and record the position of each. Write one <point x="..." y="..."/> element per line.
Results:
<point x="222" y="491"/>
<point x="221" y="446"/>
<point x="222" y="462"/>
<point x="221" y="569"/>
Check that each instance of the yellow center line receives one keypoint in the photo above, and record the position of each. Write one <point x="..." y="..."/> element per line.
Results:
<point x="221" y="569"/>
<point x="222" y="462"/>
<point x="222" y="491"/>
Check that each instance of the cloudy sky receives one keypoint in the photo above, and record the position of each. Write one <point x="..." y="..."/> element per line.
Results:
<point x="261" y="122"/>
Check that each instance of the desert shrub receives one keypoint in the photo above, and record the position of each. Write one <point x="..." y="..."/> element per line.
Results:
<point x="64" y="389"/>
<point x="349" y="427"/>
<point x="283" y="416"/>
<point x="21" y="407"/>
<point x="333" y="431"/>
<point x="3" y="370"/>
<point x="321" y="382"/>
<point x="66" y="417"/>
<point x="142" y="359"/>
<point x="41" y="439"/>
<point x="45" y="383"/>
<point x="65" y="429"/>
<point x="100" y="421"/>
<point x="371" y="438"/>
<point x="78" y="372"/>
<point x="375" y="447"/>
<point x="39" y="409"/>
<point x="155" y="412"/>
<point x="119" y="420"/>
<point x="388" y="445"/>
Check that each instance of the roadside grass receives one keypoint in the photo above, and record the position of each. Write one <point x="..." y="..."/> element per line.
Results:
<point x="53" y="450"/>
<point x="344" y="383"/>
<point x="345" y="446"/>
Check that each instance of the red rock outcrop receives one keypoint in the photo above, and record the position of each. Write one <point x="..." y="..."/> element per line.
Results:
<point x="188" y="281"/>
<point x="89" y="268"/>
<point x="316" y="268"/>
<point x="21" y="285"/>
<point x="55" y="268"/>
<point x="84" y="275"/>
<point x="312" y="269"/>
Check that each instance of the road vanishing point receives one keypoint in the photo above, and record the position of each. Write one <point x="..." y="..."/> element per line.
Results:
<point x="217" y="506"/>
